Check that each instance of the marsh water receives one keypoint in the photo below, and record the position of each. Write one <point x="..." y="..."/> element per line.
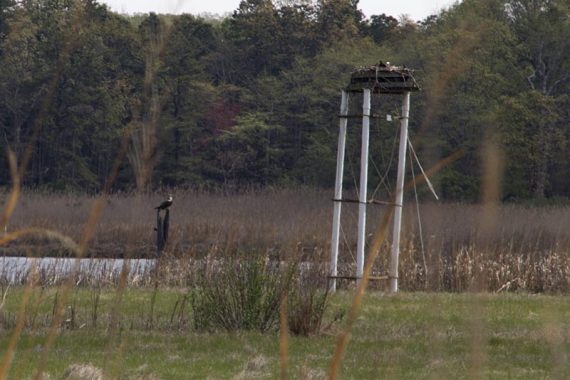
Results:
<point x="14" y="270"/>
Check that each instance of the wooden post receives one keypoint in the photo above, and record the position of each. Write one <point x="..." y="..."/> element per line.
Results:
<point x="158" y="230"/>
<point x="162" y="226"/>
<point x="165" y="226"/>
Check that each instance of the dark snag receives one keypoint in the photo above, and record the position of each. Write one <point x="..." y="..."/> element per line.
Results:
<point x="158" y="230"/>
<point x="165" y="226"/>
<point x="159" y="234"/>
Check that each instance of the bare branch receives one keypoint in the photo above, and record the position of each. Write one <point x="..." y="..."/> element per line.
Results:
<point x="530" y="78"/>
<point x="557" y="83"/>
<point x="4" y="297"/>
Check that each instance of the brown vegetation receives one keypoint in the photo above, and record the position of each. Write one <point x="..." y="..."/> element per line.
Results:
<point x="527" y="249"/>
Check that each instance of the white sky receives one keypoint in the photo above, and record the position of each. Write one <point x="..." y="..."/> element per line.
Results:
<point x="416" y="9"/>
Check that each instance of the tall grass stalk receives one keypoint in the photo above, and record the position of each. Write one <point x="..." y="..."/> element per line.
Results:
<point x="15" y="336"/>
<point x="493" y="165"/>
<point x="14" y="192"/>
<point x="342" y="340"/>
<point x="374" y="250"/>
<point x="112" y="360"/>
<point x="283" y="338"/>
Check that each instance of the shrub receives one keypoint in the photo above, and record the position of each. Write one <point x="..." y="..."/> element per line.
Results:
<point x="245" y="294"/>
<point x="308" y="300"/>
<point x="240" y="294"/>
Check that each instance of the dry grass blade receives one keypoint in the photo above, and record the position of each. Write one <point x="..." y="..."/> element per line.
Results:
<point x="353" y="313"/>
<point x="493" y="167"/>
<point x="69" y="43"/>
<point x="15" y="337"/>
<point x="477" y="354"/>
<point x="493" y="164"/>
<point x="6" y="215"/>
<point x="434" y="169"/>
<point x="283" y="338"/>
<point x="14" y="192"/>
<point x="143" y="151"/>
<point x="112" y="360"/>
<point x="4" y="297"/>
<point x="86" y="237"/>
<point x="373" y="252"/>
<point x="456" y="63"/>
<point x="18" y="173"/>
<point x="555" y="335"/>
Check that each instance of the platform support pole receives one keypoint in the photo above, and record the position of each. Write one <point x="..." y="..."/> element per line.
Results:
<point x="399" y="194"/>
<point x="338" y="189"/>
<point x="361" y="243"/>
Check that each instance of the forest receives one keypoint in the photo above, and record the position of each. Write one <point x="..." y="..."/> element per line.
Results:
<point x="252" y="99"/>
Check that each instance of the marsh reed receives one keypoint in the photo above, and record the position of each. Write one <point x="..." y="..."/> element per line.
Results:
<point x="528" y="250"/>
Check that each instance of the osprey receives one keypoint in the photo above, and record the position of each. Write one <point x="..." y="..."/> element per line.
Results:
<point x="166" y="204"/>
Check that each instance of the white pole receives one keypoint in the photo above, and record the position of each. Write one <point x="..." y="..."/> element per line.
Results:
<point x="399" y="193"/>
<point x="363" y="184"/>
<point x="338" y="188"/>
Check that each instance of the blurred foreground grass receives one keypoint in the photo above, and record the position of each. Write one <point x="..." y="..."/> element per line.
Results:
<point x="410" y="335"/>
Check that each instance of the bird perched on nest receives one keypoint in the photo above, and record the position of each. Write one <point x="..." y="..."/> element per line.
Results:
<point x="166" y="204"/>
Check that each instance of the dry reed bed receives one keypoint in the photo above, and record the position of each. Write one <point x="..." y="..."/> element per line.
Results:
<point x="527" y="248"/>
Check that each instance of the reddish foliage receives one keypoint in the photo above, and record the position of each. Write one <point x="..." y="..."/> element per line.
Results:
<point x="222" y="114"/>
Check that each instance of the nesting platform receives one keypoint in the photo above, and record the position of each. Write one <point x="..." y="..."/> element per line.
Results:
<point x="383" y="78"/>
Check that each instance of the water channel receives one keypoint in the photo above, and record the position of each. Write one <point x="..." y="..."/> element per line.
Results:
<point x="14" y="270"/>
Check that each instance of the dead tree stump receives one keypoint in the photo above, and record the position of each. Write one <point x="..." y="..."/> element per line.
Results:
<point x="162" y="225"/>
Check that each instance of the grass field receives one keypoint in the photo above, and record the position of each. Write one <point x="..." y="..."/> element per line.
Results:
<point x="498" y="311"/>
<point x="410" y="335"/>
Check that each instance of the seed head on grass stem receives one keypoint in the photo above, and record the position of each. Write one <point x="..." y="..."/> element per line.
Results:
<point x="283" y="338"/>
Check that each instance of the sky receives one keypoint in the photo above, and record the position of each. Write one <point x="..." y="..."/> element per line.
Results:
<point x="416" y="9"/>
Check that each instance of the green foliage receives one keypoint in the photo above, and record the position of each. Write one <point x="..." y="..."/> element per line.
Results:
<point x="240" y="294"/>
<point x="253" y="98"/>
<point x="399" y="336"/>
<point x="455" y="186"/>
<point x="523" y="142"/>
<point x="381" y="27"/>
<point x="308" y="300"/>
<point x="248" y="153"/>
<point x="245" y="293"/>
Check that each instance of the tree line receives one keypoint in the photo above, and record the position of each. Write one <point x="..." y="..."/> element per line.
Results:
<point x="252" y="99"/>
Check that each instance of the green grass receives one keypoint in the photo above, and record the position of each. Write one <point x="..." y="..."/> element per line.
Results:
<point x="410" y="335"/>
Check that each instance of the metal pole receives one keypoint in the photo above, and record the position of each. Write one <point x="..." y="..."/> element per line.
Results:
<point x="338" y="188"/>
<point x="399" y="193"/>
<point x="363" y="184"/>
